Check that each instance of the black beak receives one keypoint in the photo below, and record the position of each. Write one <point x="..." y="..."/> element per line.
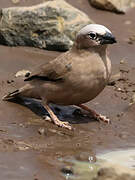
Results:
<point x="108" y="38"/>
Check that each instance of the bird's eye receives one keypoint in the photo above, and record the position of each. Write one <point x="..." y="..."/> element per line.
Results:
<point x="92" y="35"/>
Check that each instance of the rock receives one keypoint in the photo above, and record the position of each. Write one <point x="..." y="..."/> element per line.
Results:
<point x="67" y="170"/>
<point x="122" y="61"/>
<point x="132" y="100"/>
<point x="22" y="73"/>
<point x="128" y="22"/>
<point x="114" y="172"/>
<point x="116" y="77"/>
<point x="113" y="5"/>
<point x="41" y="131"/>
<point x="131" y="39"/>
<point x="51" y="25"/>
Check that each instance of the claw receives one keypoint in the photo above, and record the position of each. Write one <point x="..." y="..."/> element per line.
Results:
<point x="99" y="117"/>
<point x="104" y="119"/>
<point x="55" y="119"/>
<point x="63" y="124"/>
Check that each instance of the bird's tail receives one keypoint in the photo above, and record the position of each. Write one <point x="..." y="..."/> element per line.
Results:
<point x="25" y="91"/>
<point x="11" y="95"/>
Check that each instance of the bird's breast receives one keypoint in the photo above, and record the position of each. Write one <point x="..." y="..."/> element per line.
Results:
<point x="88" y="80"/>
<point x="90" y="74"/>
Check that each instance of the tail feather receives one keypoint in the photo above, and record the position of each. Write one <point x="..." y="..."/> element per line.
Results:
<point x="25" y="91"/>
<point x="11" y="95"/>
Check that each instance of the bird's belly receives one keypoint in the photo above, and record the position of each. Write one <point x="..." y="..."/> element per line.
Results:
<point x="86" y="93"/>
<point x="88" y="86"/>
<point x="77" y="92"/>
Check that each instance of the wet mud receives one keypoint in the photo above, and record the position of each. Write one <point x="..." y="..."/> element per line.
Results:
<point x="30" y="146"/>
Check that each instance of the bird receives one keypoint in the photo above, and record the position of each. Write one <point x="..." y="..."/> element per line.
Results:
<point x="73" y="78"/>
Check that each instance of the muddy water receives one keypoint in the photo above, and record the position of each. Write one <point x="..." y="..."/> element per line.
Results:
<point x="26" y="152"/>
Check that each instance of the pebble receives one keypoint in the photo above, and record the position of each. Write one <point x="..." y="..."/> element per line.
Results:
<point x="120" y="90"/>
<point x="114" y="78"/>
<point x="132" y="100"/>
<point x="120" y="114"/>
<point x="41" y="131"/>
<point x="122" y="61"/>
<point x="47" y="118"/>
<point x="23" y="148"/>
<point x="10" y="81"/>
<point x="124" y="98"/>
<point x="128" y="22"/>
<point x="67" y="170"/>
<point x="22" y="73"/>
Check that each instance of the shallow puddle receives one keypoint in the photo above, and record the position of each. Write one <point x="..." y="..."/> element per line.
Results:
<point x="121" y="157"/>
<point x="87" y="170"/>
<point x="81" y="170"/>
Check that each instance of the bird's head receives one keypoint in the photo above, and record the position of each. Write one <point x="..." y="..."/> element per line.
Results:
<point x="94" y="35"/>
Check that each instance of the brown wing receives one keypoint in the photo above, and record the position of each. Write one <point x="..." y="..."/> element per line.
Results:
<point x="53" y="70"/>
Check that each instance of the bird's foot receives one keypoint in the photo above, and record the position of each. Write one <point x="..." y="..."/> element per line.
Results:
<point x="61" y="124"/>
<point x="56" y="121"/>
<point x="100" y="117"/>
<point x="97" y="116"/>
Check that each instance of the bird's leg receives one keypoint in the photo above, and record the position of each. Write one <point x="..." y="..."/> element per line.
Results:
<point x="55" y="119"/>
<point x="95" y="115"/>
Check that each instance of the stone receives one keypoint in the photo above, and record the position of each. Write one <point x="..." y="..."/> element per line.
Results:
<point x="23" y="73"/>
<point x="50" y="25"/>
<point x="67" y="170"/>
<point x="131" y="39"/>
<point x="132" y="100"/>
<point x="114" y="78"/>
<point x="113" y="5"/>
<point x="41" y="131"/>
<point x="111" y="171"/>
